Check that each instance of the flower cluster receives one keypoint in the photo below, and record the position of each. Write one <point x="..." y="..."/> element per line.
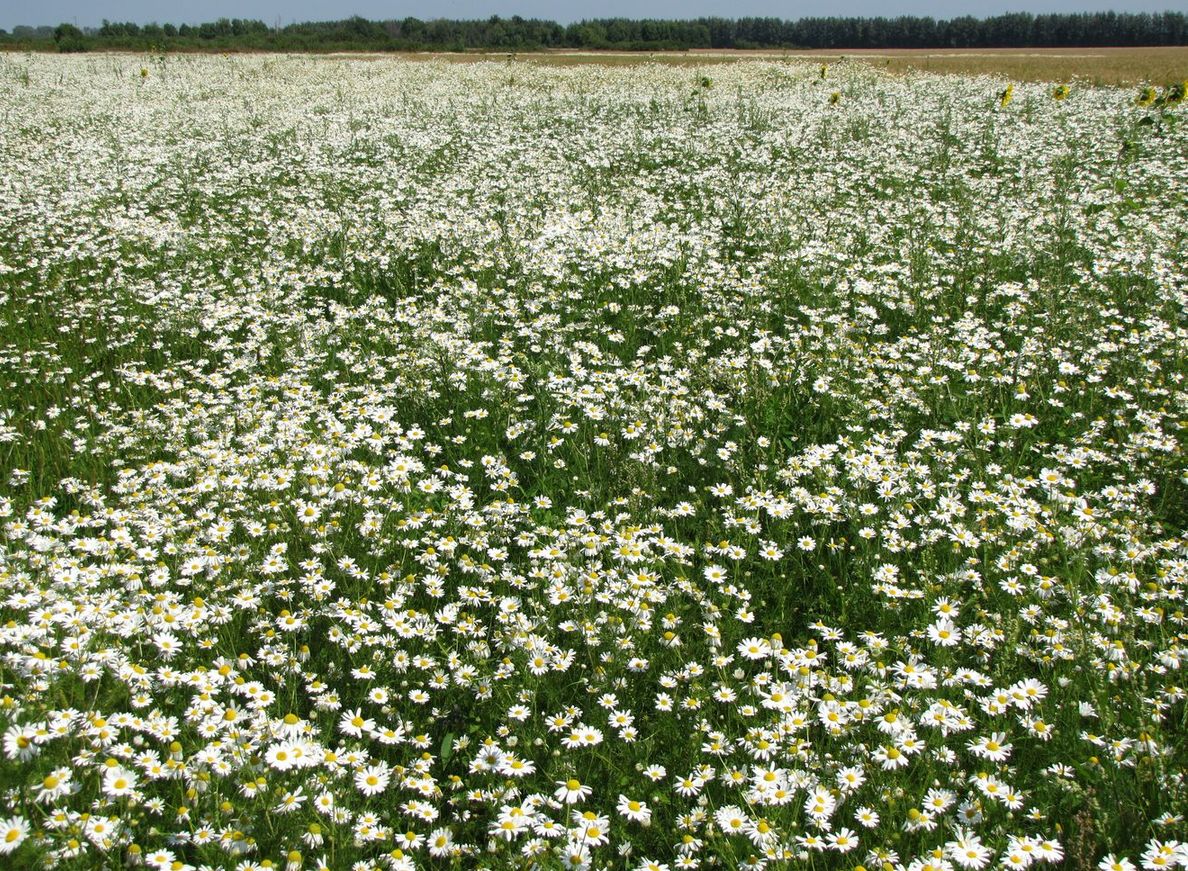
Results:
<point x="414" y="465"/>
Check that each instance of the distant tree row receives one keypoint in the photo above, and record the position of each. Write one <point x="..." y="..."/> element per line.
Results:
<point x="1015" y="30"/>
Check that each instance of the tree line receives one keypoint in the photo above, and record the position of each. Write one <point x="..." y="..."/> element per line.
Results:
<point x="1014" y="30"/>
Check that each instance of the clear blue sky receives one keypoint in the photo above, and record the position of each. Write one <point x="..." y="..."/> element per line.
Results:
<point x="92" y="12"/>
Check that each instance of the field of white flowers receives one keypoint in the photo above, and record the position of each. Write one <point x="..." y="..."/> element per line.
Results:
<point x="423" y="465"/>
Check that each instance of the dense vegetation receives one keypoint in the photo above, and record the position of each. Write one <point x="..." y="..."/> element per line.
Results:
<point x="1011" y="30"/>
<point x="517" y="467"/>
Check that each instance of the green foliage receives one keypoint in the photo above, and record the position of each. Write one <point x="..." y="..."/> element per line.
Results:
<point x="1016" y="30"/>
<point x="69" y="39"/>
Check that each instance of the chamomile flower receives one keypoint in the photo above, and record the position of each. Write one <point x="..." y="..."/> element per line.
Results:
<point x="13" y="832"/>
<point x="118" y="782"/>
<point x="635" y="811"/>
<point x="373" y="779"/>
<point x="572" y="791"/>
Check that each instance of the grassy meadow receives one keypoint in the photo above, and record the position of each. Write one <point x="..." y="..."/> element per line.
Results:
<point x="518" y="465"/>
<point x="1091" y="65"/>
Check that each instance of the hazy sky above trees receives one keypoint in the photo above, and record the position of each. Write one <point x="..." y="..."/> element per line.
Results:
<point x="88" y="13"/>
